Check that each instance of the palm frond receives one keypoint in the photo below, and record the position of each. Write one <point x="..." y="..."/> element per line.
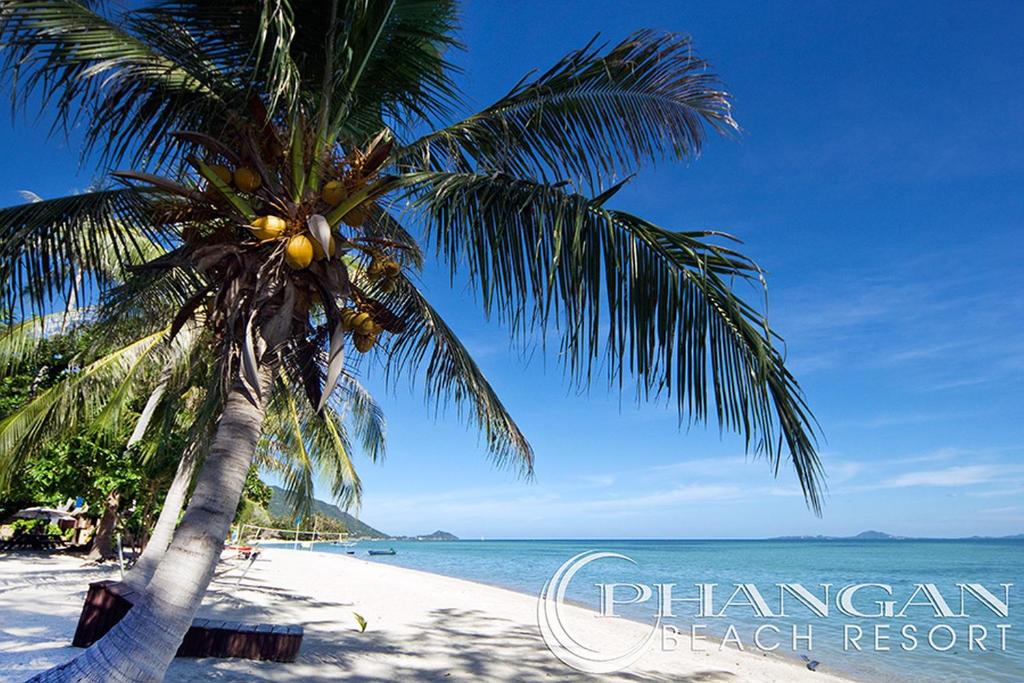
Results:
<point x="70" y="403"/>
<point x="356" y="406"/>
<point x="398" y="69"/>
<point x="131" y="82"/>
<point x="659" y="305"/>
<point x="429" y="345"/>
<point x="303" y="443"/>
<point x="21" y="341"/>
<point x="593" y="114"/>
<point x="54" y="250"/>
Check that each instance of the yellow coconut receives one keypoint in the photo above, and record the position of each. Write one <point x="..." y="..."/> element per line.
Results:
<point x="347" y="317"/>
<point x="334" y="192"/>
<point x="268" y="227"/>
<point x="376" y="268"/>
<point x="362" y="323"/>
<point x="318" y="251"/>
<point x="223" y="172"/>
<point x="298" y="253"/>
<point x="365" y="342"/>
<point x="246" y="179"/>
<point x="387" y="285"/>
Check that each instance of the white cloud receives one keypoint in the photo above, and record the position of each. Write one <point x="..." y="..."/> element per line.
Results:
<point x="965" y="475"/>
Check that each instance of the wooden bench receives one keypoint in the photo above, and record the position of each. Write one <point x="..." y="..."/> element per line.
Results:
<point x="108" y="602"/>
<point x="33" y="542"/>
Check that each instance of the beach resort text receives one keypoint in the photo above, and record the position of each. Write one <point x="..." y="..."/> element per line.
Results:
<point x="885" y="620"/>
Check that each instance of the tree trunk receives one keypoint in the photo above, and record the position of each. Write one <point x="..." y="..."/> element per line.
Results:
<point x="140" y="648"/>
<point x="139" y="576"/>
<point x="103" y="539"/>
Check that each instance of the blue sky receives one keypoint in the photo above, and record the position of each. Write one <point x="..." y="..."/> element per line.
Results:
<point x="878" y="181"/>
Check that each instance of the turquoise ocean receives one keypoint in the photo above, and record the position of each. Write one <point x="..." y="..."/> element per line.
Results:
<point x="526" y="565"/>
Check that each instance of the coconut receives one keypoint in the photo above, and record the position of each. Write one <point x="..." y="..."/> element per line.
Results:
<point x="355" y="217"/>
<point x="387" y="285"/>
<point x="318" y="251"/>
<point x="298" y="253"/>
<point x="375" y="269"/>
<point x="363" y="323"/>
<point x="223" y="172"/>
<point x="246" y="179"/>
<point x="391" y="268"/>
<point x="365" y="342"/>
<point x="347" y="319"/>
<point x="268" y="227"/>
<point x="334" y="192"/>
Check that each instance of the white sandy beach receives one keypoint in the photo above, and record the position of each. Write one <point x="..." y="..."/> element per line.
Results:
<point x="421" y="627"/>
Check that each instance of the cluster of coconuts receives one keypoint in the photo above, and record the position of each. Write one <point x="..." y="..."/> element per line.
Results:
<point x="362" y="326"/>
<point x="243" y="177"/>
<point x="301" y="248"/>
<point x="384" y="271"/>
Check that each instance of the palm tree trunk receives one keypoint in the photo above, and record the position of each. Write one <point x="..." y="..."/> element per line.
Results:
<point x="139" y="576"/>
<point x="103" y="539"/>
<point x="140" y="648"/>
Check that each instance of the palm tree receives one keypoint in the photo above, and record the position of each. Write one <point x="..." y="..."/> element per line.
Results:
<point x="278" y="154"/>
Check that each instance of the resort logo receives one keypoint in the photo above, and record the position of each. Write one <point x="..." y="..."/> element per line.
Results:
<point x="574" y="653"/>
<point x="857" y="617"/>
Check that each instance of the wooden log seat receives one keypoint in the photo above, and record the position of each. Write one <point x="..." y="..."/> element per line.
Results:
<point x="108" y="602"/>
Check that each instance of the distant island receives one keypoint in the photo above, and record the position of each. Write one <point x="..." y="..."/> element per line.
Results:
<point x="279" y="507"/>
<point x="436" y="536"/>
<point x="882" y="536"/>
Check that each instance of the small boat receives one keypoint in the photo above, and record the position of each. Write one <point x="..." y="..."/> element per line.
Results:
<point x="389" y="551"/>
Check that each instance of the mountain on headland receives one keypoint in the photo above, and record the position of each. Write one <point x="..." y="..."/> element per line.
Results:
<point x="279" y="507"/>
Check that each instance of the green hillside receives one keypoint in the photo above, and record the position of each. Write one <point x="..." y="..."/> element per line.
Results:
<point x="279" y="507"/>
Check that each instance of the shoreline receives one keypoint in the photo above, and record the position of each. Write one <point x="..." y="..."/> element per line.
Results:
<point x="421" y="626"/>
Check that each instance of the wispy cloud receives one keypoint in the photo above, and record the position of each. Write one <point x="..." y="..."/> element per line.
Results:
<point x="965" y="475"/>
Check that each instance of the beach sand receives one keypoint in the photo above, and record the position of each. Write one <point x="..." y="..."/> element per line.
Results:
<point x="421" y="627"/>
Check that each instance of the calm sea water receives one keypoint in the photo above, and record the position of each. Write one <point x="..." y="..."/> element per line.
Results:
<point x="526" y="565"/>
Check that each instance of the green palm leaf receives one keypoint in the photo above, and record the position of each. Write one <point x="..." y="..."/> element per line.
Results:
<point x="131" y="82"/>
<point x="593" y="113"/>
<point x="52" y="249"/>
<point x="658" y="305"/>
<point x="429" y="345"/>
<point x="73" y="402"/>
